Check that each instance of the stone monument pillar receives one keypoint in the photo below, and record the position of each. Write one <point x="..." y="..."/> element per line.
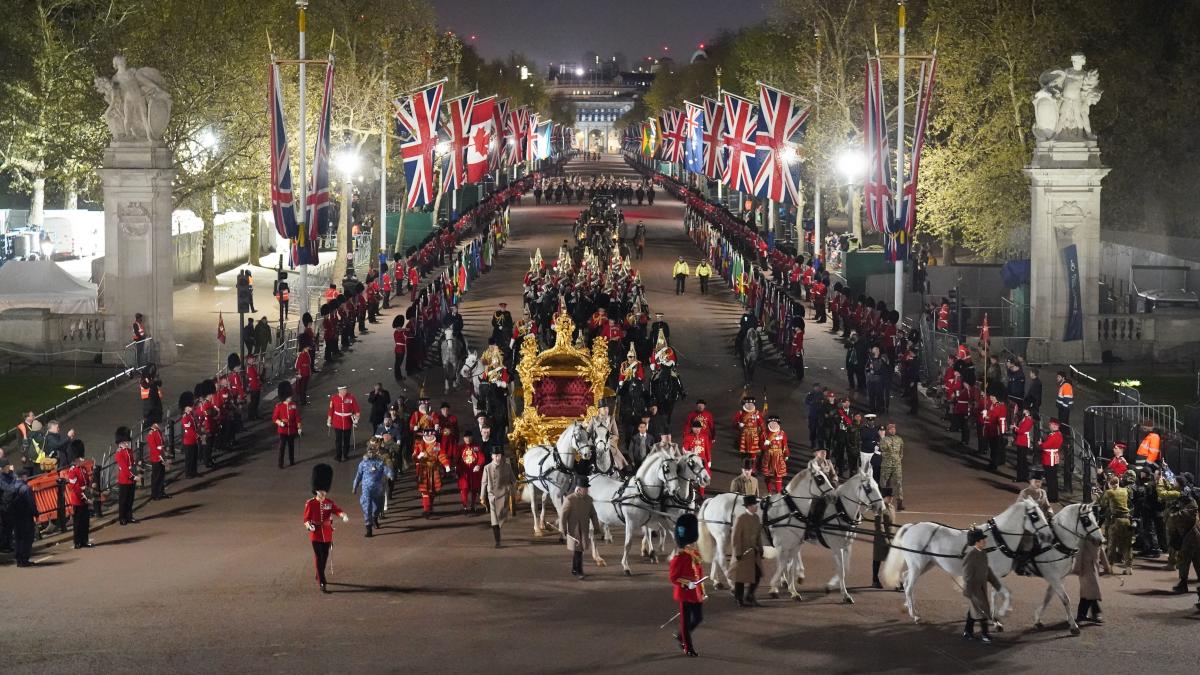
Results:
<point x="137" y="176"/>
<point x="1065" y="177"/>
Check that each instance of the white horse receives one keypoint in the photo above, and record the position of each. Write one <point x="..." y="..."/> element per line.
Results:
<point x="550" y="471"/>
<point x="1068" y="528"/>
<point x="785" y="519"/>
<point x="664" y="484"/>
<point x="472" y="371"/>
<point x="690" y="468"/>
<point x="922" y="545"/>
<point x="452" y="360"/>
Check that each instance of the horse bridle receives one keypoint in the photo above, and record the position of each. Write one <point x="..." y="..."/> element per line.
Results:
<point x="1085" y="519"/>
<point x="1033" y="514"/>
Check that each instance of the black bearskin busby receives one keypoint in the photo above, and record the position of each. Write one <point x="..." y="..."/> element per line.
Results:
<point x="322" y="478"/>
<point x="687" y="529"/>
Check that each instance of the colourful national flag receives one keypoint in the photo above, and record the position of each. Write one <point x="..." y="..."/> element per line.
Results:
<point x="740" y="136"/>
<point x="319" y="214"/>
<point x="481" y="144"/>
<point x="221" y="327"/>
<point x="693" y="127"/>
<point x="781" y="122"/>
<point x="283" y="201"/>
<point x="714" y="145"/>
<point x="455" y="174"/>
<point x="417" y="127"/>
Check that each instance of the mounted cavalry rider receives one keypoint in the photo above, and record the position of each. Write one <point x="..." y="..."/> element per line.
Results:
<point x="825" y="477"/>
<point x="631" y="369"/>
<point x="663" y="356"/>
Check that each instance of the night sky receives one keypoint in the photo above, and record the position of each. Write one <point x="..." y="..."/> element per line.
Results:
<point x="562" y="30"/>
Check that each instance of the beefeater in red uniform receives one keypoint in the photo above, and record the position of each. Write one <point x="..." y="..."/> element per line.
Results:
<point x="319" y="512"/>
<point x="775" y="454"/>
<point x="749" y="424"/>
<point x="431" y="462"/>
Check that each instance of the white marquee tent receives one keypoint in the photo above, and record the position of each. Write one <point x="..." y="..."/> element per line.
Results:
<point x="40" y="284"/>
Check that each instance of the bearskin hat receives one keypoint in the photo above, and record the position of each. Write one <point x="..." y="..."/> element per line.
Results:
<point x="687" y="529"/>
<point x="206" y="388"/>
<point x="285" y="390"/>
<point x="122" y="435"/>
<point x="233" y="361"/>
<point x="186" y="400"/>
<point x="398" y="322"/>
<point x="307" y="319"/>
<point x="322" y="478"/>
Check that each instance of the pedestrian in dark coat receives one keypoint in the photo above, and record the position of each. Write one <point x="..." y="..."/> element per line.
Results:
<point x="1087" y="566"/>
<point x="977" y="574"/>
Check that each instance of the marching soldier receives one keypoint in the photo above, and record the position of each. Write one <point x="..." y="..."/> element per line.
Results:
<point x="372" y="476"/>
<point x="686" y="574"/>
<point x="319" y="512"/>
<point x="431" y="462"/>
<point x="774" y="455"/>
<point x="496" y="489"/>
<point x="750" y="429"/>
<point x="343" y="417"/>
<point x="1118" y="528"/>
<point x="286" y="418"/>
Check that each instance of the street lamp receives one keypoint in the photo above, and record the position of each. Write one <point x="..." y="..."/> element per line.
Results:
<point x="347" y="162"/>
<point x="579" y="72"/>
<point x="852" y="164"/>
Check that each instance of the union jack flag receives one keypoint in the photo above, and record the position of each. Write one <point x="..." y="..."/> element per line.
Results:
<point x="417" y="127"/>
<point x="283" y="204"/>
<point x="319" y="213"/>
<point x="502" y="133"/>
<point x="714" y="147"/>
<point x="740" y="136"/>
<point x="877" y="186"/>
<point x="460" y="109"/>
<point x="780" y="124"/>
<point x="531" y="136"/>
<point x="693" y="122"/>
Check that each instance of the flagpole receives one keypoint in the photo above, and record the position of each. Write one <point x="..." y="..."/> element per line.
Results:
<point x="816" y="175"/>
<point x="899" y="280"/>
<point x="383" y="144"/>
<point x="302" y="6"/>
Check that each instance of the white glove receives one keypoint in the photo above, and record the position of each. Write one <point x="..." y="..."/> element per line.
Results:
<point x="311" y="527"/>
<point x="345" y="518"/>
<point x="421" y="456"/>
<point x="328" y="422"/>
<point x="690" y="585"/>
<point x="299" y="432"/>
<point x="476" y="469"/>
<point x="447" y="469"/>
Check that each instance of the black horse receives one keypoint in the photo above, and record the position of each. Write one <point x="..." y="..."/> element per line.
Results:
<point x="667" y="390"/>
<point x="634" y="403"/>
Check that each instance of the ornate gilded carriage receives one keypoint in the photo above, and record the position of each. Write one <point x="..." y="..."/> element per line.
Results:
<point x="559" y="386"/>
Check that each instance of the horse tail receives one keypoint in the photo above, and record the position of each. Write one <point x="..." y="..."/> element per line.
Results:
<point x="527" y="493"/>
<point x="889" y="575"/>
<point x="708" y="544"/>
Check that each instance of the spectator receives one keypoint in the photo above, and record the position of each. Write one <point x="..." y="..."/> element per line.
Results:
<point x="248" y="336"/>
<point x="1033" y="394"/>
<point x="22" y="511"/>
<point x="58" y="445"/>
<point x="8" y="495"/>
<point x="262" y="335"/>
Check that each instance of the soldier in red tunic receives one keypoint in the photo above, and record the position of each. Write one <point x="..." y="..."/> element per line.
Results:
<point x="775" y="455"/>
<point x="319" y="511"/>
<point x="158" y="463"/>
<point x="431" y="462"/>
<point x="686" y="573"/>
<point x="343" y="417"/>
<point x="447" y="425"/>
<point x="286" y="418"/>
<point x="796" y="352"/>
<point x="749" y="424"/>
<point x="78" y="482"/>
<point x="470" y="460"/>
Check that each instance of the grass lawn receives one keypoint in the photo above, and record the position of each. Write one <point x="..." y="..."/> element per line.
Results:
<point x="1176" y="390"/>
<point x="35" y="392"/>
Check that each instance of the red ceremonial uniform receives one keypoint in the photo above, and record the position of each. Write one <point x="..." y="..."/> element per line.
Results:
<point x="304" y="365"/>
<point x="236" y="387"/>
<point x="77" y="482"/>
<point x="320" y="515"/>
<point x="431" y="462"/>
<point x="154" y="446"/>
<point x="686" y="566"/>
<point x="420" y="420"/>
<point x="636" y="371"/>
<point x="211" y="416"/>
<point x="253" y="379"/>
<point x="774" y="457"/>
<point x="447" y="426"/>
<point x="943" y="318"/>
<point x="1051" y="449"/>
<point x="750" y="431"/>
<point x="469" y="467"/>
<point x="191" y="433"/>
<point x="700" y="444"/>
<point x="342" y="411"/>
<point x="960" y="393"/>
<point x="706" y="420"/>
<point x="400" y="342"/>
<point x="286" y="418"/>
<point x="1023" y="437"/>
<point x="994" y="420"/>
<point x="124" y="459"/>
<point x="796" y="349"/>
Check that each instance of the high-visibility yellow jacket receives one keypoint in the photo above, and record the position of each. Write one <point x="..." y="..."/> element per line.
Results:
<point x="681" y="267"/>
<point x="703" y="270"/>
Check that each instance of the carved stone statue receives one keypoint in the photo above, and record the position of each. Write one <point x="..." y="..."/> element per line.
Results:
<point x="1062" y="106"/>
<point x="139" y="106"/>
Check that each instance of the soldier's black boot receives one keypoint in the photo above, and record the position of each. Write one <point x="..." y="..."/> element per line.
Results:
<point x="496" y="534"/>
<point x="969" y="628"/>
<point x="983" y="634"/>
<point x="369" y="533"/>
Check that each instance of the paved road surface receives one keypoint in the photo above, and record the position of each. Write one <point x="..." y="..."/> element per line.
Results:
<point x="219" y="579"/>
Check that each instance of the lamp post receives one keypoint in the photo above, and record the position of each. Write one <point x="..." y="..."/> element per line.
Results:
<point x="347" y="162"/>
<point x="852" y="164"/>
